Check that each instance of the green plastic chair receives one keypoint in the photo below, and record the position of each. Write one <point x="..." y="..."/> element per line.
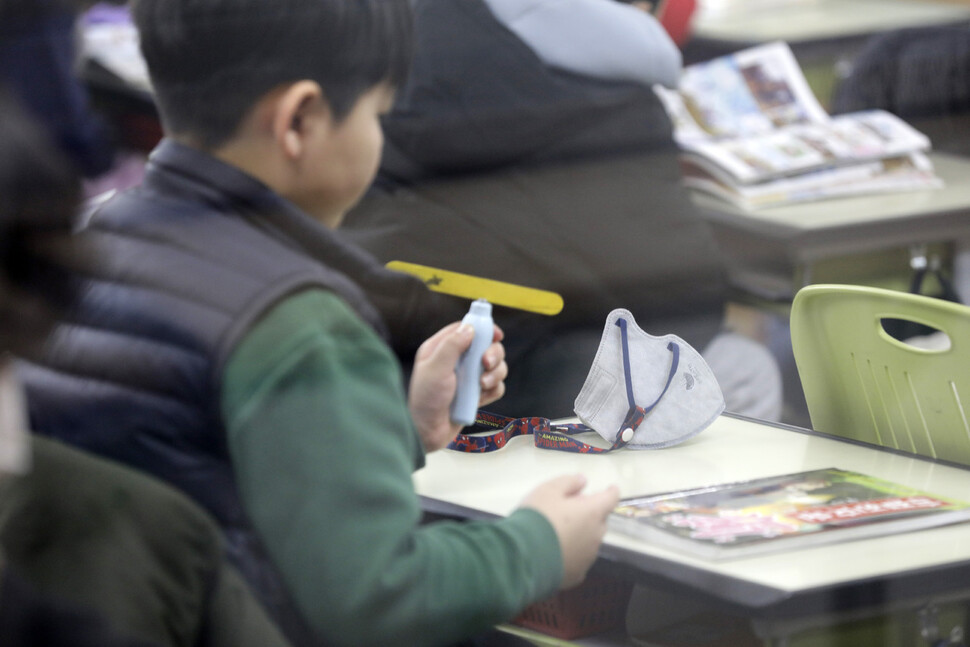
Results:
<point x="861" y="383"/>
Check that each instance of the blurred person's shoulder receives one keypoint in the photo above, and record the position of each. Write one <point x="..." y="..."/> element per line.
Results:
<point x="93" y="494"/>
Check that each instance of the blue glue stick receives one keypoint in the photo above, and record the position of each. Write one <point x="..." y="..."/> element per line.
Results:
<point x="469" y="367"/>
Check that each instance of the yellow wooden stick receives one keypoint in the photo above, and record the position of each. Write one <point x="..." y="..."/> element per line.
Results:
<point x="475" y="287"/>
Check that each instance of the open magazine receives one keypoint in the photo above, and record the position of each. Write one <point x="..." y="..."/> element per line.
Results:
<point x="752" y="132"/>
<point x="782" y="513"/>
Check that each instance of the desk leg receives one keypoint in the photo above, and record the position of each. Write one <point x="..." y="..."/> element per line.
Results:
<point x="961" y="269"/>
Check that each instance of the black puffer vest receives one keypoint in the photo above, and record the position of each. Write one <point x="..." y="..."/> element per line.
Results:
<point x="174" y="273"/>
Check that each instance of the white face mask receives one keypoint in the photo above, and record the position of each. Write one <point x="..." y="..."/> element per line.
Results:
<point x="645" y="391"/>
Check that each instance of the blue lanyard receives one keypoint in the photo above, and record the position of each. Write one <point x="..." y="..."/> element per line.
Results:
<point x="559" y="436"/>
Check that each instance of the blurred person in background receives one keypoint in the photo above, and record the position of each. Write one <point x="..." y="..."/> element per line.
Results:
<point x="91" y="553"/>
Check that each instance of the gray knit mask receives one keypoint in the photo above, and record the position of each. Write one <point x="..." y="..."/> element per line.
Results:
<point x="655" y="391"/>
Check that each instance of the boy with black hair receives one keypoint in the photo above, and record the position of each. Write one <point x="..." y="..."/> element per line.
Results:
<point x="241" y="344"/>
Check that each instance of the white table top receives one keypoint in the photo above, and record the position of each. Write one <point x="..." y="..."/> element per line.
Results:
<point x="822" y="19"/>
<point x="732" y="449"/>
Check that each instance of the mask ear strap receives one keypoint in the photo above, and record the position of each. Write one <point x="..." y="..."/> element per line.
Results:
<point x="545" y="435"/>
<point x="549" y="436"/>
<point x="627" y="375"/>
<point x="636" y="414"/>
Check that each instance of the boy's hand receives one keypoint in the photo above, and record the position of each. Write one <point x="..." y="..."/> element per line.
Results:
<point x="578" y="519"/>
<point x="433" y="381"/>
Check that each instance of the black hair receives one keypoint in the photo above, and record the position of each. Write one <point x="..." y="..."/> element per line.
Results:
<point x="39" y="192"/>
<point x="210" y="61"/>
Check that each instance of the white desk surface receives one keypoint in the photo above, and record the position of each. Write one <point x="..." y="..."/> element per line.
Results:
<point x="822" y="19"/>
<point x="817" y="215"/>
<point x="732" y="449"/>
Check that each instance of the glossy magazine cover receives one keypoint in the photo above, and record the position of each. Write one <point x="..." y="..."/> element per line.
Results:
<point x="782" y="512"/>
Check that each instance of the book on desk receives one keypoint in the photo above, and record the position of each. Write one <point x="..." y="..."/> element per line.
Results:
<point x="783" y="512"/>
<point x="752" y="132"/>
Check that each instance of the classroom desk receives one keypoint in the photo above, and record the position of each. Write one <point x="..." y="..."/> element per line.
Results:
<point x="807" y="21"/>
<point x="773" y="252"/>
<point x="779" y="591"/>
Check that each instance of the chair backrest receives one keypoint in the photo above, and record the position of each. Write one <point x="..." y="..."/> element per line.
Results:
<point x="861" y="383"/>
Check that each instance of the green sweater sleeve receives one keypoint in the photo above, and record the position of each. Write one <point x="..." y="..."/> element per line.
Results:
<point x="323" y="448"/>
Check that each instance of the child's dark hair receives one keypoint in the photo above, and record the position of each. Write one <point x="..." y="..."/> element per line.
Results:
<point x="211" y="60"/>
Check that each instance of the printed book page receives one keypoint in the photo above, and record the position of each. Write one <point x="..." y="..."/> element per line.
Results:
<point x="895" y="174"/>
<point x="750" y="92"/>
<point x="847" y="139"/>
<point x="782" y="513"/>
<point x="752" y="115"/>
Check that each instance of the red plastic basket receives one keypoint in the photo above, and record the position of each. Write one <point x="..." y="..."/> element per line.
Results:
<point x="597" y="605"/>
